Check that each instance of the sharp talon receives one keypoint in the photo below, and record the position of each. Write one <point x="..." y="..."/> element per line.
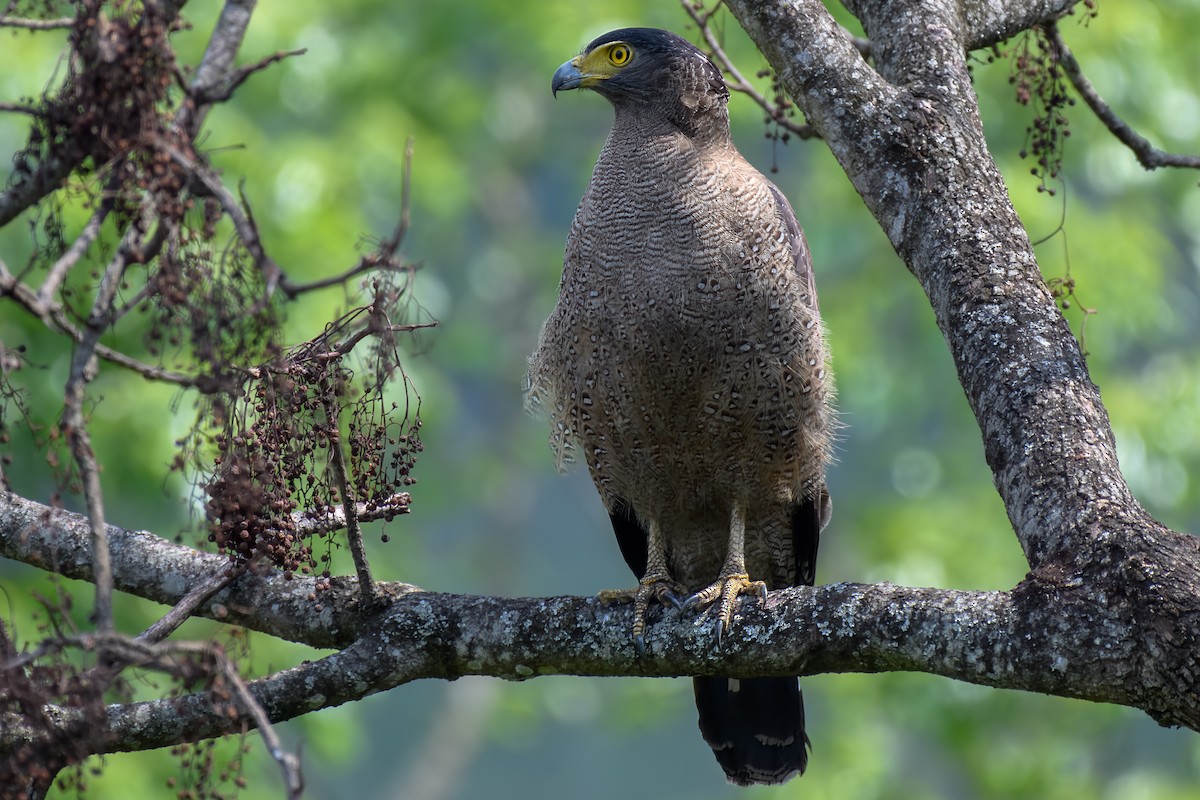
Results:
<point x="690" y="603"/>
<point x="674" y="600"/>
<point x="762" y="593"/>
<point x="639" y="644"/>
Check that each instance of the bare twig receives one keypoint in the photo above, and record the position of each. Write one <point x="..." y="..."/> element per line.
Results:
<point x="243" y="222"/>
<point x="225" y="89"/>
<point x="336" y="518"/>
<point x="383" y="257"/>
<point x="293" y="779"/>
<point x="1147" y="154"/>
<point x="183" y="610"/>
<point x="366" y="584"/>
<point x="52" y="315"/>
<point x="83" y="369"/>
<point x="739" y="83"/>
<point x="91" y="230"/>
<point x="36" y="24"/>
<point x="20" y="108"/>
<point x="131" y="651"/>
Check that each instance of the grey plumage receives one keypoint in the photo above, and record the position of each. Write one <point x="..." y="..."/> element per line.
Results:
<point x="685" y="362"/>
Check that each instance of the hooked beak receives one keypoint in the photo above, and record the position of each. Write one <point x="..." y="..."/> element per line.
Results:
<point x="568" y="76"/>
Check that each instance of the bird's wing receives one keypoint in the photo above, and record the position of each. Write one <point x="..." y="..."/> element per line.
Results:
<point x="800" y="255"/>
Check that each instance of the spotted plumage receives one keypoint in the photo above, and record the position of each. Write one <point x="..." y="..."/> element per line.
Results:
<point x="685" y="364"/>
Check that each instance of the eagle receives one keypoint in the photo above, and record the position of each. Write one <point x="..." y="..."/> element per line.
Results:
<point x="685" y="362"/>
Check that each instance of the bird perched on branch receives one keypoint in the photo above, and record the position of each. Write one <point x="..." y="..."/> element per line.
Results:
<point x="685" y="362"/>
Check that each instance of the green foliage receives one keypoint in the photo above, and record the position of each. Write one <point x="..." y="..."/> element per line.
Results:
<point x="499" y="166"/>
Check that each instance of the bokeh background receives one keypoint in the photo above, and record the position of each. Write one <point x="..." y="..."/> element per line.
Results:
<point x="499" y="166"/>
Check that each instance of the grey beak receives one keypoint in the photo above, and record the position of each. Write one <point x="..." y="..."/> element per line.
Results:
<point x="566" y="77"/>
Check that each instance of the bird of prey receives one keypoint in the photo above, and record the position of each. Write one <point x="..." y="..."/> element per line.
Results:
<point x="685" y="361"/>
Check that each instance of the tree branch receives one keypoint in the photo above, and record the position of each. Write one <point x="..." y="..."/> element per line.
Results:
<point x="216" y="66"/>
<point x="1147" y="154"/>
<point x="30" y="24"/>
<point x="1019" y="640"/>
<point x="910" y="139"/>
<point x="157" y="569"/>
<point x="1053" y="633"/>
<point x="982" y="23"/>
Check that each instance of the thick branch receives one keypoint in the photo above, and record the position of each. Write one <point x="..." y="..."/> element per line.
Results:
<point x="1031" y="638"/>
<point x="156" y="569"/>
<point x="911" y="141"/>
<point x="983" y="22"/>
<point x="1126" y="633"/>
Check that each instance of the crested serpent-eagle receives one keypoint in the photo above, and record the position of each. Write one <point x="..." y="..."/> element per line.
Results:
<point x="685" y="362"/>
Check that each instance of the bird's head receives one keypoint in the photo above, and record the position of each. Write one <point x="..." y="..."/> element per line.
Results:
<point x="650" y="69"/>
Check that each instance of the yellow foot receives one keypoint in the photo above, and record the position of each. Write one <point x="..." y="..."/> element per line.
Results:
<point x="658" y="587"/>
<point x="724" y="592"/>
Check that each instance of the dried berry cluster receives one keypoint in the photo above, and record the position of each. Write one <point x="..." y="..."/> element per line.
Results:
<point x="111" y="112"/>
<point x="782" y="108"/>
<point x="61" y="678"/>
<point x="1041" y="84"/>
<point x="278" y="469"/>
<point x="210" y="308"/>
<point x="271" y="461"/>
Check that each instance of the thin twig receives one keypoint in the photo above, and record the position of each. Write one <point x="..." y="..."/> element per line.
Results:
<point x="20" y="108"/>
<point x="246" y="228"/>
<point x="83" y="369"/>
<point x="335" y="519"/>
<point x="293" y="778"/>
<point x="366" y="584"/>
<point x="231" y="84"/>
<point x="739" y="83"/>
<point x="52" y="315"/>
<point x="36" y="24"/>
<point x="91" y="230"/>
<point x="383" y="257"/>
<point x="182" y="611"/>
<point x="131" y="651"/>
<point x="1147" y="154"/>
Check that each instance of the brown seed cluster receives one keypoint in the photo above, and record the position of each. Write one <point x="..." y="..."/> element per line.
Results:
<point x="112" y="110"/>
<point x="276" y="466"/>
<point x="1042" y="85"/>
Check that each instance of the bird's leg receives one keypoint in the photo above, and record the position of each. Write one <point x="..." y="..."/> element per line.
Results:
<point x="733" y="580"/>
<point x="657" y="583"/>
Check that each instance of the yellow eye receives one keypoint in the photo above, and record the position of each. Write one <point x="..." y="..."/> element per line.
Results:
<point x="619" y="55"/>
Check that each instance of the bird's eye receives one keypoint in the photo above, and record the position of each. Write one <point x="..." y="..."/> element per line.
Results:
<point x="619" y="55"/>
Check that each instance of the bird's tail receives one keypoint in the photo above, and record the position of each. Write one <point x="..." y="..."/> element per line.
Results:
<point x="755" y="727"/>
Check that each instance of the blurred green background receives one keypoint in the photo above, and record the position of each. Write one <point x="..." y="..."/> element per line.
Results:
<point x="498" y="169"/>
